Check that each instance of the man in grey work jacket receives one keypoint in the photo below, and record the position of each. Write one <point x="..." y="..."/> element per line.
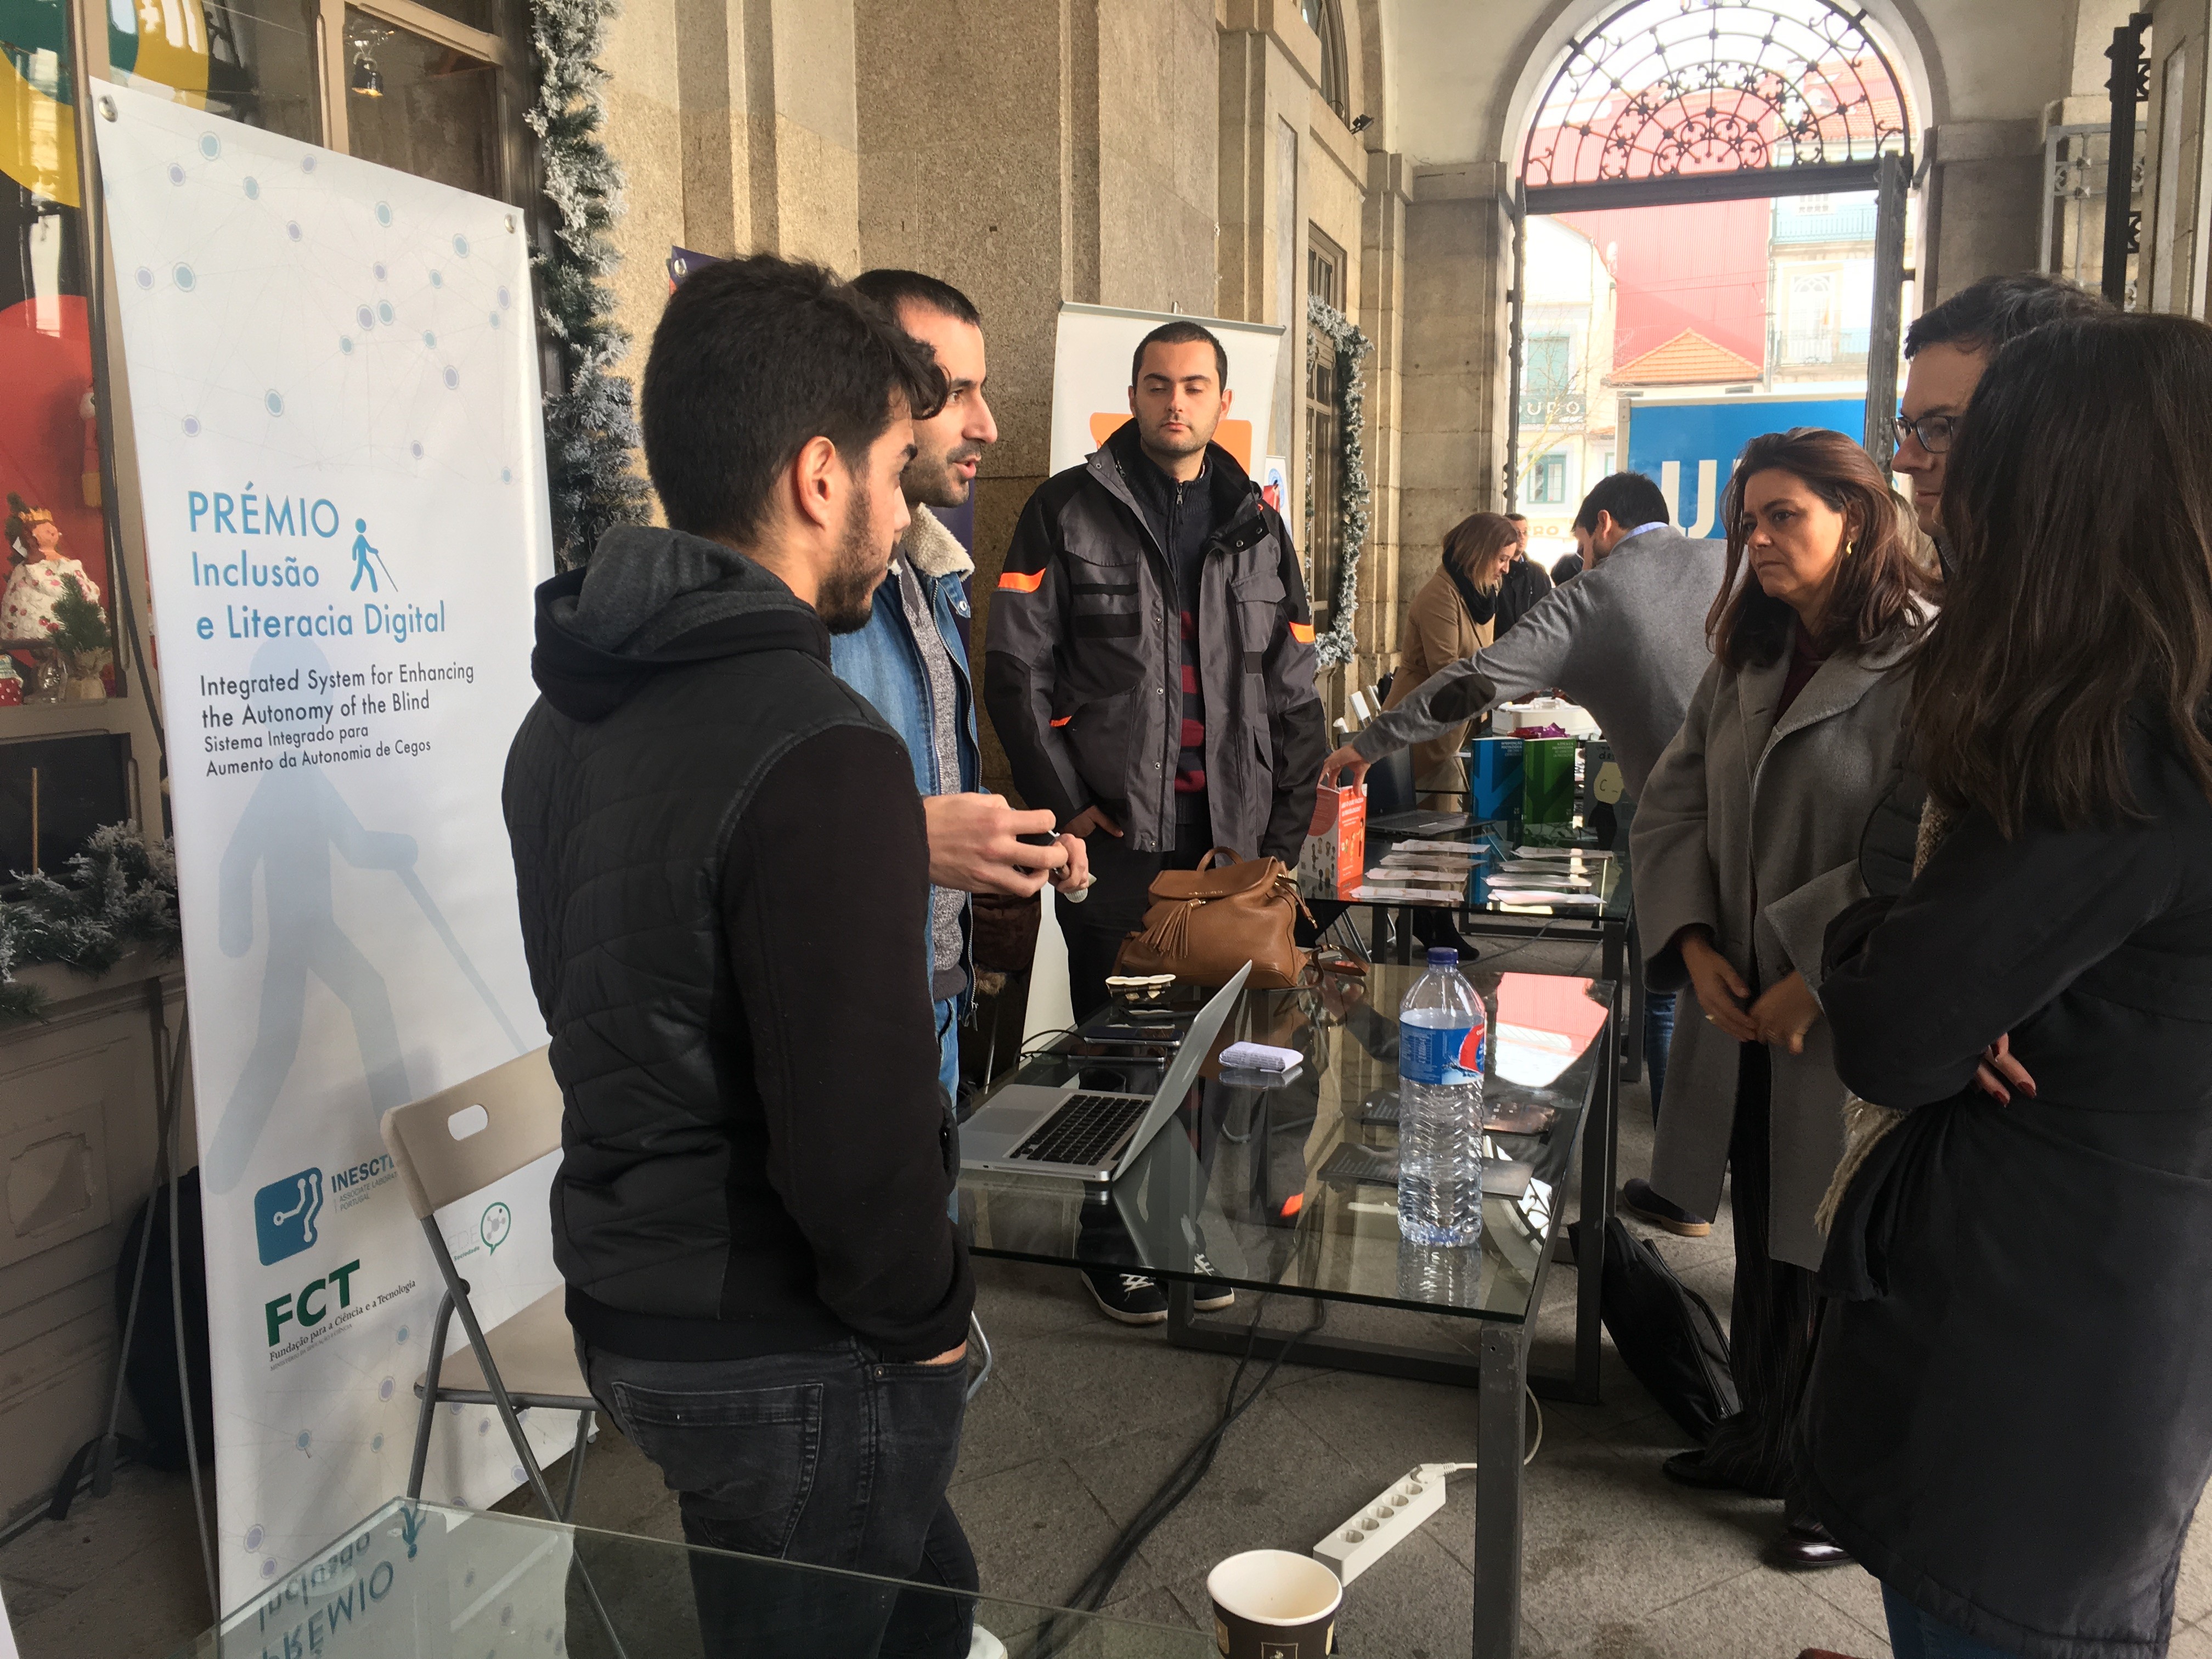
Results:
<point x="1625" y="640"/>
<point x="1151" y="662"/>
<point x="910" y="662"/>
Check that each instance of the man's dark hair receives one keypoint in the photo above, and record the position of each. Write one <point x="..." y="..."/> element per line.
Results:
<point x="1984" y="315"/>
<point x="754" y="358"/>
<point x="1632" y="498"/>
<point x="893" y="288"/>
<point x="1518" y="518"/>
<point x="1180" y="334"/>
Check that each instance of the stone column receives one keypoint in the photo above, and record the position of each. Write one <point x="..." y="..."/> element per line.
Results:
<point x="1453" y="363"/>
<point x="979" y="165"/>
<point x="1981" y="204"/>
<point x="1382" y="319"/>
<point x="2177" y="186"/>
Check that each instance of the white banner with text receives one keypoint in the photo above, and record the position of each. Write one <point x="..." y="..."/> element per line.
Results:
<point x="333" y="391"/>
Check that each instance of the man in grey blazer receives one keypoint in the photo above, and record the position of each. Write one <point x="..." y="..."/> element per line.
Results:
<point x="1626" y="641"/>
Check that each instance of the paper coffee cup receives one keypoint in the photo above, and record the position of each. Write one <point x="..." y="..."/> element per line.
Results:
<point x="1271" y="1604"/>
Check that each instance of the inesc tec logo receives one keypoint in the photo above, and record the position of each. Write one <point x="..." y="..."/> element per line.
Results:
<point x="286" y="1212"/>
<point x="284" y="1215"/>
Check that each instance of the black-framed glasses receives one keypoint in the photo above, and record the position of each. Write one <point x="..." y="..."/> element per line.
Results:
<point x="1934" y="432"/>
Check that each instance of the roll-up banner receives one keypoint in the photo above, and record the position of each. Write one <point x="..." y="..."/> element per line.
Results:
<point x="1091" y="380"/>
<point x="333" y="389"/>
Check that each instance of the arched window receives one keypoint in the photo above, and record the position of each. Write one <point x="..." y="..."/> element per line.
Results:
<point x="1666" y="88"/>
<point x="1322" y="17"/>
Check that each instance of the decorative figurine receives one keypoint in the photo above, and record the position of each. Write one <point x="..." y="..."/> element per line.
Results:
<point x="52" y="599"/>
<point x="41" y="574"/>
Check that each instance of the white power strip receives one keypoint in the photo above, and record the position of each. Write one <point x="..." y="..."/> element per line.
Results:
<point x="1371" y="1533"/>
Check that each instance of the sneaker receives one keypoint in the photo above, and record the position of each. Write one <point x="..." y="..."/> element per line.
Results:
<point x="1127" y="1299"/>
<point x="984" y="1645"/>
<point x="1209" y="1295"/>
<point x="1645" y="1205"/>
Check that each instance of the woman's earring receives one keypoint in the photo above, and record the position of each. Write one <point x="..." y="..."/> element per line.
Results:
<point x="1850" y="546"/>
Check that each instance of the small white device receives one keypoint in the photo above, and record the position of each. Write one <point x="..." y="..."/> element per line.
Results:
<point x="1260" y="1056"/>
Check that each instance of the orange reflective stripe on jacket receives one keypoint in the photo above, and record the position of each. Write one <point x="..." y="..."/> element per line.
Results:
<point x="1013" y="582"/>
<point x="1303" y="632"/>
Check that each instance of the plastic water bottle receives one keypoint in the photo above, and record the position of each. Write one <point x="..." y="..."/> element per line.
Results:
<point x="1441" y="1033"/>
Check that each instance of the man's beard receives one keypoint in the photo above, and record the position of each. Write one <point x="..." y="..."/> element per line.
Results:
<point x="931" y="481"/>
<point x="847" y="598"/>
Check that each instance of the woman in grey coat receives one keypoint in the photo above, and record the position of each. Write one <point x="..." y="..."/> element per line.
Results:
<point x="1746" y="846"/>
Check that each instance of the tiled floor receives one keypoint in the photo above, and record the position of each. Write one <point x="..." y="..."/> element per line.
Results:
<point x="1081" y="1421"/>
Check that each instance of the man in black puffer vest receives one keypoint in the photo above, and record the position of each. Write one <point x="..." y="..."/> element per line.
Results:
<point x="724" y="893"/>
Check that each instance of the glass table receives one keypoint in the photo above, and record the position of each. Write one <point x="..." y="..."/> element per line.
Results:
<point x="1286" y="1185"/>
<point x="419" y="1581"/>
<point x="1503" y="896"/>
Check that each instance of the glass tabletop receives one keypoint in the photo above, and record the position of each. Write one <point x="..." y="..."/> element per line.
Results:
<point x="1448" y="861"/>
<point x="1290" y="1182"/>
<point x="420" y="1581"/>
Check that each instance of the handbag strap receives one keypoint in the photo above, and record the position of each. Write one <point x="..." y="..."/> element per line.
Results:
<point x="1226" y="855"/>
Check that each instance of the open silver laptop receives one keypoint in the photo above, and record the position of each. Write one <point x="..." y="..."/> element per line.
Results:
<point x="1066" y="1130"/>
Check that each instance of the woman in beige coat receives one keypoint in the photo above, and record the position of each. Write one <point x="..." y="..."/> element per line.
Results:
<point x="1453" y="617"/>
<point x="1746" y="846"/>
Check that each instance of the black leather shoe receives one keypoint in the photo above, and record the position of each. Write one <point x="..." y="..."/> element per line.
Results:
<point x="1687" y="1468"/>
<point x="1806" y="1547"/>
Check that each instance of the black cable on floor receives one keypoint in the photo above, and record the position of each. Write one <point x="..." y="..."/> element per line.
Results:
<point x="1180" y="1483"/>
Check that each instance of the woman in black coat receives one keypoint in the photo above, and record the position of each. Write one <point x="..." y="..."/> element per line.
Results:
<point x="2009" y="1420"/>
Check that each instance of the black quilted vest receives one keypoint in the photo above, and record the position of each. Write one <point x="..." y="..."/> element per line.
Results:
<point x="619" y="812"/>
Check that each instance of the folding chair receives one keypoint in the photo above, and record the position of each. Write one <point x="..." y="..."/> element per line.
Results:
<point x="450" y="1144"/>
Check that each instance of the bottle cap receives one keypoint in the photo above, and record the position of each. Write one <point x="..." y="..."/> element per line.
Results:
<point x="1443" y="955"/>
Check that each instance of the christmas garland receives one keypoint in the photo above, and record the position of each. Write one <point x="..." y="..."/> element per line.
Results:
<point x="121" y="890"/>
<point x="591" y="427"/>
<point x="1353" y="500"/>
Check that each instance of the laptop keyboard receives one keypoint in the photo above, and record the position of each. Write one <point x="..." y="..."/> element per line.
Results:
<point x="1083" y="1131"/>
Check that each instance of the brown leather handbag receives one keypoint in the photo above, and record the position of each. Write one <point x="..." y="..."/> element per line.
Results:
<point x="1205" y="924"/>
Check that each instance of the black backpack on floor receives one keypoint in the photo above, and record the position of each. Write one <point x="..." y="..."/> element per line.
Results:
<point x="1665" y="1331"/>
<point x="150" y="1367"/>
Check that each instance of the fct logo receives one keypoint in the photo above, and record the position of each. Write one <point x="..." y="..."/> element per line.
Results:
<point x="284" y="1213"/>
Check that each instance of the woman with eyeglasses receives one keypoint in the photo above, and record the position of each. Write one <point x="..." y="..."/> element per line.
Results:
<point x="2010" y="1420"/>
<point x="1746" y="846"/>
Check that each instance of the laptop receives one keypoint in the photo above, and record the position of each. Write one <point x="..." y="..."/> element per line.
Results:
<point x="1065" y="1129"/>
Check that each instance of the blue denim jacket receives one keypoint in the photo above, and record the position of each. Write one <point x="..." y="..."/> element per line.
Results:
<point x="882" y="662"/>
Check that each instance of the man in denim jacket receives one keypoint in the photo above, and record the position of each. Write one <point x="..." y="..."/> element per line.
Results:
<point x="911" y="662"/>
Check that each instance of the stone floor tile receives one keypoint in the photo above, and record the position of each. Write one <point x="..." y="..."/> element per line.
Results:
<point x="1607" y="1541"/>
<point x="1757" y="1614"/>
<point x="1161" y="1606"/>
<point x="1417" y="1602"/>
<point x="1381" y="1422"/>
<point x="1037" y="1530"/>
<point x="2192" y="1595"/>
<point x="1095" y="1382"/>
<point x="2191" y="1642"/>
<point x="1856" y="1593"/>
<point x="999" y="1433"/>
<point x="1016" y="1300"/>
<point x="1275" y="1485"/>
<point x="147" y="1509"/>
